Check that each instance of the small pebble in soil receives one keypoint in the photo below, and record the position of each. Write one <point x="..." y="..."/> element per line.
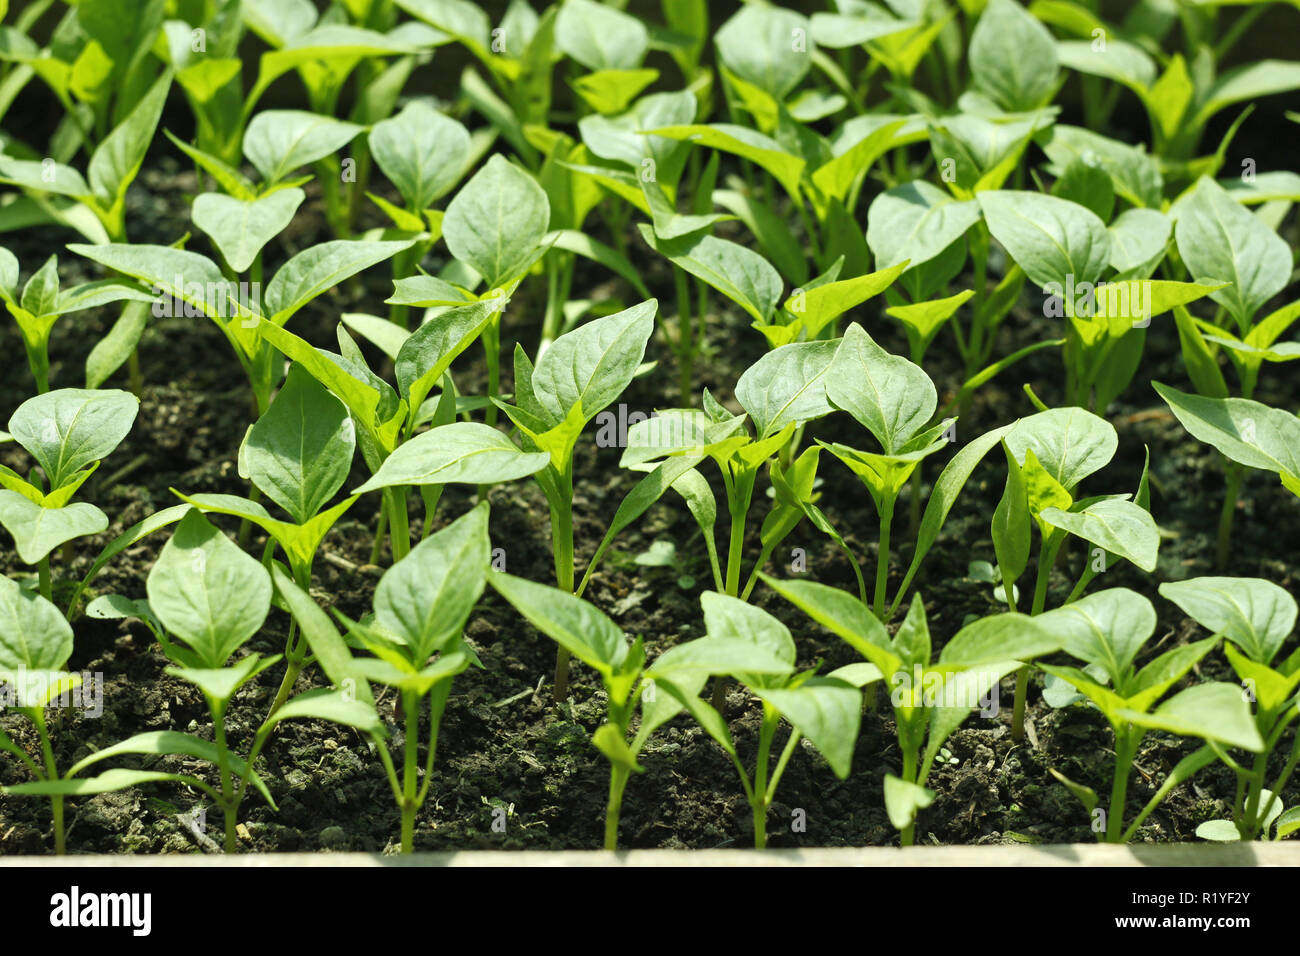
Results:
<point x="333" y="838"/>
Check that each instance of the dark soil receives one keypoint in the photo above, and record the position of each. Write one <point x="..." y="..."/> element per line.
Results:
<point x="504" y="745"/>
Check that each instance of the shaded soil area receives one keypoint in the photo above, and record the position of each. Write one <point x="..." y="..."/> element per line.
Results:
<point x="506" y="753"/>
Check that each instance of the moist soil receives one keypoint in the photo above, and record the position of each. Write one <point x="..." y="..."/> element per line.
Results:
<point x="514" y="770"/>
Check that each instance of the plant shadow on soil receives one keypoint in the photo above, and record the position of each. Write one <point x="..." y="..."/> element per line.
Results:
<point x="506" y="754"/>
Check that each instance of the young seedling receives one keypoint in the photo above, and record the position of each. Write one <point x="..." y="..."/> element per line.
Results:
<point x="1107" y="630"/>
<point x="420" y="608"/>
<point x="42" y="303"/>
<point x="68" y="432"/>
<point x="748" y="644"/>
<point x="206" y="599"/>
<point x="578" y="376"/>
<point x="1256" y="618"/>
<point x="930" y="699"/>
<point x="298" y="454"/>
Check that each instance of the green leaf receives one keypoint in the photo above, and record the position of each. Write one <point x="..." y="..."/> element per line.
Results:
<point x="300" y="452"/>
<point x="827" y="711"/>
<point x="904" y="801"/>
<point x="625" y="138"/>
<point x="740" y="274"/>
<point x="922" y="320"/>
<point x="1071" y="443"/>
<point x="462" y="452"/>
<point x="588" y="368"/>
<point x="817" y="307"/>
<point x="738" y="656"/>
<point x="430" y="350"/>
<point x="787" y="386"/>
<point x="422" y="151"/>
<point x="496" y="222"/>
<point x="222" y="683"/>
<point x="38" y="530"/>
<point x="1121" y="527"/>
<point x="888" y="395"/>
<point x="1249" y="82"/>
<point x="1137" y="237"/>
<point x="188" y="276"/>
<point x="33" y="634"/>
<point x="1056" y="242"/>
<point x="1248" y="432"/>
<point x="117" y="159"/>
<point x="1013" y="56"/>
<point x="997" y="638"/>
<point x="335" y="706"/>
<point x="278" y="142"/>
<point x="610" y="91"/>
<point x="915" y="222"/>
<point x="1135" y="173"/>
<point x="1220" y="240"/>
<point x="320" y="268"/>
<point x="609" y="740"/>
<point x="1256" y="615"/>
<point x="767" y="46"/>
<point x="843" y="615"/>
<point x="208" y="592"/>
<point x="1117" y="60"/>
<point x="1220" y="831"/>
<point x="426" y="598"/>
<point x="600" y="38"/>
<point x="1107" y="629"/>
<point x="240" y="228"/>
<point x="68" y="428"/>
<point x="786" y="167"/>
<point x="106" y="782"/>
<point x="1213" y="711"/>
<point x="571" y="622"/>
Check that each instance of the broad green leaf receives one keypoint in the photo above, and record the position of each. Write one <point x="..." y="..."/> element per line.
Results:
<point x="590" y="367"/>
<point x="888" y="395"/>
<point x="1248" y="432"/>
<point x="1107" y="629"/>
<point x="997" y="638"/>
<point x="1117" y="60"/>
<point x="611" y="91"/>
<point x="1137" y="237"/>
<point x="915" y="222"/>
<point x="571" y="622"/>
<point x="430" y="350"/>
<point x="626" y="138"/>
<point x="222" y="683"/>
<point x="767" y="46"/>
<point x="1011" y="528"/>
<point x="117" y="159"/>
<point x="278" y="142"/>
<point x="827" y="711"/>
<point x="1056" y="242"/>
<point x="208" y="592"/>
<point x="1256" y="615"/>
<point x="922" y="320"/>
<point x="38" y="530"/>
<point x="844" y="616"/>
<point x="496" y="222"/>
<point x="68" y="428"/>
<point x="816" y="308"/>
<point x="1071" y="443"/>
<point x="787" y="386"/>
<point x="740" y="274"/>
<point x="599" y="37"/>
<point x="422" y="151"/>
<point x="194" y="279"/>
<point x="786" y="167"/>
<point x="300" y="452"/>
<point x="1013" y="56"/>
<point x="782" y="248"/>
<point x="1213" y="711"/>
<point x="729" y="618"/>
<point x="320" y="268"/>
<point x="43" y="177"/>
<point x="1135" y="173"/>
<point x="1220" y="240"/>
<point x="240" y="228"/>
<point x="736" y="656"/>
<point x="462" y="452"/>
<point x="335" y="706"/>
<point x="1088" y="185"/>
<point x="1121" y="527"/>
<point x="571" y="240"/>
<point x="1250" y="81"/>
<point x="33" y="634"/>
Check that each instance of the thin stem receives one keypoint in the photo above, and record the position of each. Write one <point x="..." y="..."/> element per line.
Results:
<point x="398" y="524"/>
<point x="43" y="576"/>
<point x="882" y="560"/>
<point x="618" y="775"/>
<point x="562" y="545"/>
<point x="1233" y="473"/>
<point x="228" y="805"/>
<point x="410" y="761"/>
<point x="1126" y="745"/>
<point x="37" y="715"/>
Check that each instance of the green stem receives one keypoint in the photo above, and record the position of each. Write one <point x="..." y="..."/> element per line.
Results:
<point x="37" y="715"/>
<point x="882" y="560"/>
<point x="492" y="352"/>
<point x="618" y="775"/>
<point x="685" y="339"/>
<point x="228" y="804"/>
<point x="410" y="761"/>
<point x="1046" y="558"/>
<point x="43" y="576"/>
<point x="1233" y="473"/>
<point x="399" y="530"/>
<point x="562" y="545"/>
<point x="1126" y="745"/>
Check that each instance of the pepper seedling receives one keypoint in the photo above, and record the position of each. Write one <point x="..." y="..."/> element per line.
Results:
<point x="1106" y="631"/>
<point x="68" y="432"/>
